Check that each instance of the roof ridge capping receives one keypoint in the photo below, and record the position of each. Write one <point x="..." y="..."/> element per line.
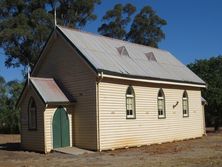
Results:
<point x="102" y="36"/>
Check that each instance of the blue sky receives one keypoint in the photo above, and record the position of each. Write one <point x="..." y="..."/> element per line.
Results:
<point x="194" y="29"/>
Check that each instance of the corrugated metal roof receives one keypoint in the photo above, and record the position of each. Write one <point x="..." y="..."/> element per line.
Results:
<point x="48" y="90"/>
<point x="102" y="53"/>
<point x="203" y="101"/>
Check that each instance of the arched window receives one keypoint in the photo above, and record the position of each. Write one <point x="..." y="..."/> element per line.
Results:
<point x="185" y="104"/>
<point x="130" y="103"/>
<point x="32" y="114"/>
<point x="161" y="104"/>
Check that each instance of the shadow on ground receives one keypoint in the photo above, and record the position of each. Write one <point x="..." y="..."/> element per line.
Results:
<point x="210" y="130"/>
<point x="11" y="147"/>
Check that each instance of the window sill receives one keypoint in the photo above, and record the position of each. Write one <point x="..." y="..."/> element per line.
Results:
<point x="161" y="117"/>
<point x="130" y="117"/>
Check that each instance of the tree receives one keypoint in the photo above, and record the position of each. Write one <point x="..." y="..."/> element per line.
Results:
<point x="2" y="97"/>
<point x="14" y="89"/>
<point x="9" y="114"/>
<point x="26" y="24"/>
<point x="211" y="72"/>
<point x="116" y="21"/>
<point x="146" y="28"/>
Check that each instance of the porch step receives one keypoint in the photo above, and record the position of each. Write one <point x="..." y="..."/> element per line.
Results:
<point x="72" y="150"/>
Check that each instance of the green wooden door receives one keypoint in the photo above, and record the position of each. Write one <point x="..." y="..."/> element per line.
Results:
<point x="60" y="126"/>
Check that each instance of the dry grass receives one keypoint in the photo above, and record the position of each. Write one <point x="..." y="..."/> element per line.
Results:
<point x="206" y="151"/>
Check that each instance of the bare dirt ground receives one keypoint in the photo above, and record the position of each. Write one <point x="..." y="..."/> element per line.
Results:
<point x="203" y="152"/>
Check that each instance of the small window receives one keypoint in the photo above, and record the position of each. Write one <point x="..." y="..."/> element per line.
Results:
<point x="185" y="104"/>
<point x="32" y="113"/>
<point x="161" y="104"/>
<point x="130" y="103"/>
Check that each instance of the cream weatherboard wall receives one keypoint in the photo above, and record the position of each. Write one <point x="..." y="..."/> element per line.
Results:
<point x="204" y="123"/>
<point x="76" y="79"/>
<point x="32" y="139"/>
<point x="116" y="131"/>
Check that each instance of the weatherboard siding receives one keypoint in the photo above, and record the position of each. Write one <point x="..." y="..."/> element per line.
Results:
<point x="32" y="139"/>
<point x="77" y="81"/>
<point x="116" y="131"/>
<point x="203" y="123"/>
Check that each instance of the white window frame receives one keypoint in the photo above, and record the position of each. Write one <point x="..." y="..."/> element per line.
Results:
<point x="133" y="108"/>
<point x="185" y="99"/>
<point x="163" y="108"/>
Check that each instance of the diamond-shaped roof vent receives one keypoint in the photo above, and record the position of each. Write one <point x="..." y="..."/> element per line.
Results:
<point x="122" y="51"/>
<point x="150" y="56"/>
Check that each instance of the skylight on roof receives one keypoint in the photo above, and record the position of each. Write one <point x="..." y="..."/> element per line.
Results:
<point x="150" y="56"/>
<point x="122" y="51"/>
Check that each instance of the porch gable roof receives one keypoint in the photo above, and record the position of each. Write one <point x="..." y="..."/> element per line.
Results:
<point x="48" y="90"/>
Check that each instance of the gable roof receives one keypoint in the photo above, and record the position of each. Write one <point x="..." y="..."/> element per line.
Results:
<point x="48" y="90"/>
<point x="102" y="54"/>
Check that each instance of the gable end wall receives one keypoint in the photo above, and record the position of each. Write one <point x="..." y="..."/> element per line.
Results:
<point x="32" y="139"/>
<point x="77" y="81"/>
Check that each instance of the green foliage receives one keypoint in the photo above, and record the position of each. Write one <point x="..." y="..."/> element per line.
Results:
<point x="146" y="28"/>
<point x="2" y="95"/>
<point x="75" y="13"/>
<point x="26" y="24"/>
<point x="116" y="21"/>
<point x="9" y="114"/>
<point x="211" y="72"/>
